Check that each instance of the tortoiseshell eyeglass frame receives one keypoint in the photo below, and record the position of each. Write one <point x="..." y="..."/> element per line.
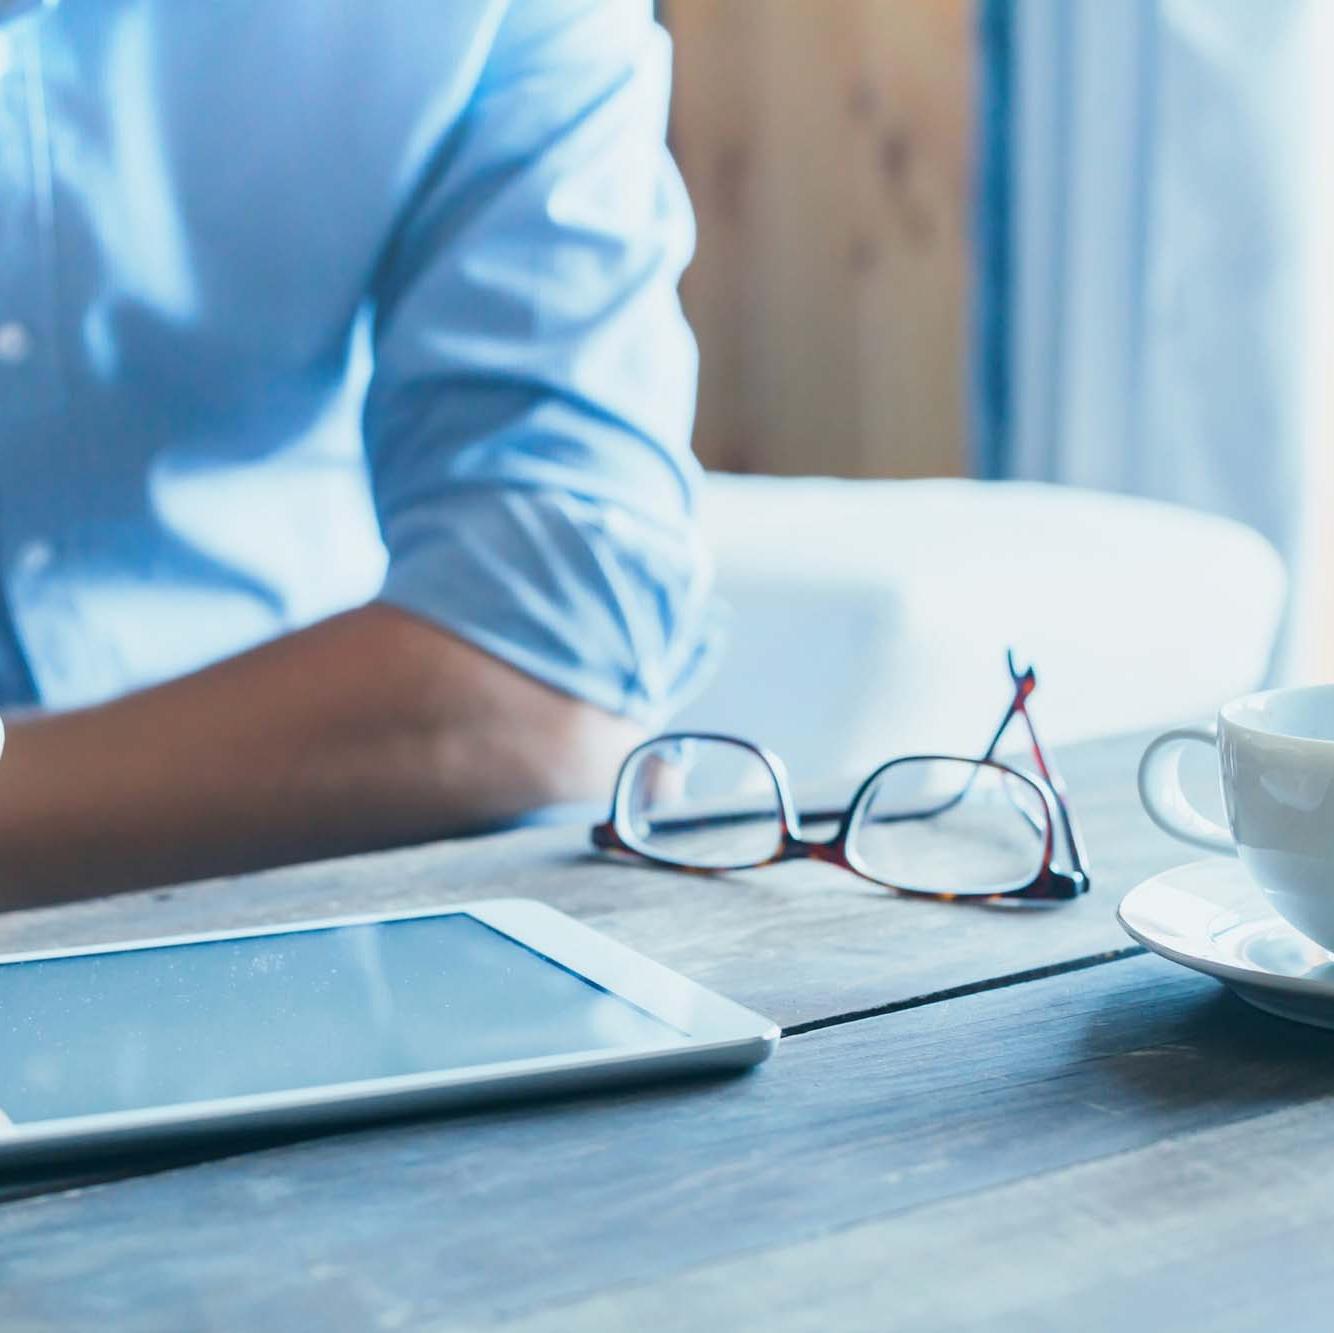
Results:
<point x="1048" y="885"/>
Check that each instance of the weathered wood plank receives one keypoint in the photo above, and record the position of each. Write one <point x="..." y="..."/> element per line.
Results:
<point x="799" y="942"/>
<point x="459" y="1222"/>
<point x="1226" y="1229"/>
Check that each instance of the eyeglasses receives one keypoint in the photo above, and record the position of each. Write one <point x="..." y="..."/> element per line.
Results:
<point x="938" y="826"/>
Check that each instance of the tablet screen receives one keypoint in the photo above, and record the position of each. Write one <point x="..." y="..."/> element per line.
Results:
<point x="226" y="1018"/>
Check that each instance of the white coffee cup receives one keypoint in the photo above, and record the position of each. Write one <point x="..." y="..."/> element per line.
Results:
<point x="1276" y="764"/>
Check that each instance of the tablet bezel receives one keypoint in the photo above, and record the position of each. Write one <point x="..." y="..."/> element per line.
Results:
<point x="718" y="1034"/>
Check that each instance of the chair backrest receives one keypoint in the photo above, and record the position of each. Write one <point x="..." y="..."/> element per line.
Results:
<point x="869" y="619"/>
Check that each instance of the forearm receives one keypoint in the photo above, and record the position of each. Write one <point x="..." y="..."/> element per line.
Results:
<point x="364" y="731"/>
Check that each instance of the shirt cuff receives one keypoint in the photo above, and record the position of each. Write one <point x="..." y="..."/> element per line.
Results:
<point x="577" y="593"/>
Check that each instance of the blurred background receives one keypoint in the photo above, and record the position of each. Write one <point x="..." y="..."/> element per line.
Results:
<point x="1063" y="240"/>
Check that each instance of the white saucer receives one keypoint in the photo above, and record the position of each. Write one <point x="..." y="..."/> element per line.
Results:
<point x="1210" y="916"/>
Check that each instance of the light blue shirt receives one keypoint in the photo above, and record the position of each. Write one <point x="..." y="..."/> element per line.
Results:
<point x="312" y="302"/>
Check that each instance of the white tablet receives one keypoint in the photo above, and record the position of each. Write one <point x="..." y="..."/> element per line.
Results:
<point x="324" y="1022"/>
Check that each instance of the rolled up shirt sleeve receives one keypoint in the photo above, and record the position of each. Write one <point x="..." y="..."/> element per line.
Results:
<point x="528" y="420"/>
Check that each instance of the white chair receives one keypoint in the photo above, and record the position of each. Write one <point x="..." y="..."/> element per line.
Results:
<point x="871" y="618"/>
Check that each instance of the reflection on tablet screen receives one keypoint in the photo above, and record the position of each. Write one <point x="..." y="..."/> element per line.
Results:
<point x="226" y="1018"/>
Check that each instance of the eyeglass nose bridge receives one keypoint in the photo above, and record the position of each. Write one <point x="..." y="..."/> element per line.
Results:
<point x="802" y="849"/>
<point x="829" y="851"/>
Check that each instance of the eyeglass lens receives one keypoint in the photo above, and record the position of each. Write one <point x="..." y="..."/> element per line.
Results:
<point x="701" y="802"/>
<point x="950" y="826"/>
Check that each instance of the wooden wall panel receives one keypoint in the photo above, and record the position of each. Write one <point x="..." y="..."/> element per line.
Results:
<point x="826" y="145"/>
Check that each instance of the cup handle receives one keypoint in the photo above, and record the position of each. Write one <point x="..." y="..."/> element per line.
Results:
<point x="1165" y="802"/>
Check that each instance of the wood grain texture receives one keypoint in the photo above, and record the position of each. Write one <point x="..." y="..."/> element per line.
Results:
<point x="458" y="1223"/>
<point x="1225" y="1229"/>
<point x="800" y="942"/>
<point x="826" y="149"/>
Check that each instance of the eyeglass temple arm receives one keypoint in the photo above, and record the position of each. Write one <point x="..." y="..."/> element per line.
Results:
<point x="605" y="837"/>
<point x="1025" y="682"/>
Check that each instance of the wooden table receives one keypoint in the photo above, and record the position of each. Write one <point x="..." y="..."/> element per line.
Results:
<point x="980" y="1118"/>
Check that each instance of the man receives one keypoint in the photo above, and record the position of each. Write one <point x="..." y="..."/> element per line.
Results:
<point x="269" y="274"/>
